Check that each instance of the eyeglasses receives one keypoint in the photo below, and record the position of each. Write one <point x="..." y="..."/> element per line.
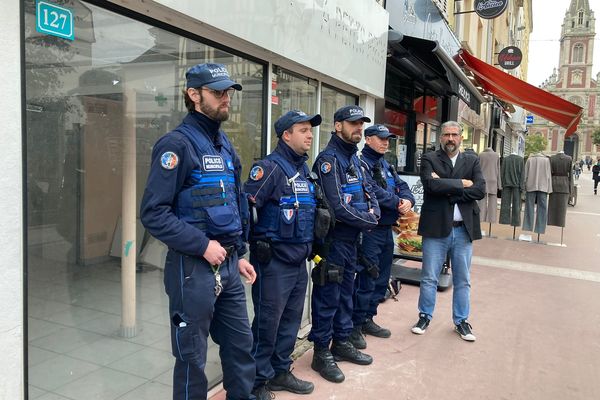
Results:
<point x="453" y="135"/>
<point x="220" y="93"/>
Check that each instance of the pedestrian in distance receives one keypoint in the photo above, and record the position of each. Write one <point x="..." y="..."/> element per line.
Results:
<point x="193" y="203"/>
<point x="452" y="183"/>
<point x="283" y="195"/>
<point x="576" y="170"/>
<point x="355" y="209"/>
<point x="596" y="175"/>
<point x="376" y="252"/>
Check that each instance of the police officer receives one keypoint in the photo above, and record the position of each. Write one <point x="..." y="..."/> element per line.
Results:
<point x="193" y="203"/>
<point x="347" y="191"/>
<point x="280" y="242"/>
<point x="377" y="250"/>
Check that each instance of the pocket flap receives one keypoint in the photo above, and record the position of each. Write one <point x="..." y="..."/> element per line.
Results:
<point x="221" y="215"/>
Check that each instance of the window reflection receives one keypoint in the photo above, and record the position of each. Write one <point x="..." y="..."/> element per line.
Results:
<point x="118" y="76"/>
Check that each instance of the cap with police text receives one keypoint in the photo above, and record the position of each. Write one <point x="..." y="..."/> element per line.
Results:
<point x="212" y="76"/>
<point x="378" y="130"/>
<point x="350" y="113"/>
<point x="293" y="117"/>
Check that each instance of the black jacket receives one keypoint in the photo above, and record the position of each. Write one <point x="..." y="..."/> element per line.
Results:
<point x="440" y="194"/>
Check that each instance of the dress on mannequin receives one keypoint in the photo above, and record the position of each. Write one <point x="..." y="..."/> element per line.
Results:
<point x="562" y="181"/>
<point x="538" y="184"/>
<point x="490" y="167"/>
<point x="512" y="186"/>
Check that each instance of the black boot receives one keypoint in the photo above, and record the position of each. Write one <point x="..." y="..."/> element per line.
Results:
<point x="371" y="328"/>
<point x="344" y="351"/>
<point x="262" y="393"/>
<point x="325" y="365"/>
<point x="357" y="339"/>
<point x="287" y="381"/>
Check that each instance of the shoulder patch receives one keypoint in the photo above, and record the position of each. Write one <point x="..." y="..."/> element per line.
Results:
<point x="169" y="160"/>
<point x="326" y="167"/>
<point x="257" y="173"/>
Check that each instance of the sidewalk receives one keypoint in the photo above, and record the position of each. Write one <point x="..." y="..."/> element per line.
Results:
<point x="534" y="311"/>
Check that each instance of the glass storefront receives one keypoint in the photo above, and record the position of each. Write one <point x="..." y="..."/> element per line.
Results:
<point x="118" y="77"/>
<point x="291" y="92"/>
<point x="331" y="100"/>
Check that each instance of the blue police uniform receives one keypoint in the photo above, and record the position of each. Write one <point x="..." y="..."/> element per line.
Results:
<point x="378" y="245"/>
<point x="346" y="189"/>
<point x="193" y="196"/>
<point x="285" y="203"/>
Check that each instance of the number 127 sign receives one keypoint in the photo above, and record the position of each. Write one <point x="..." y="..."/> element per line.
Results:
<point x="54" y="20"/>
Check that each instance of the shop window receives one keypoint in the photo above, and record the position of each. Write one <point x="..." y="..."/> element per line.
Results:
<point x="467" y="141"/>
<point x="396" y="122"/>
<point x="331" y="100"/>
<point x="118" y="77"/>
<point x="291" y="92"/>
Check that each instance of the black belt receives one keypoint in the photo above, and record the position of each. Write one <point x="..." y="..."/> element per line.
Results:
<point x="229" y="250"/>
<point x="456" y="224"/>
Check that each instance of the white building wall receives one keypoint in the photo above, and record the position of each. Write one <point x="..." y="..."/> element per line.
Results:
<point x="11" y="209"/>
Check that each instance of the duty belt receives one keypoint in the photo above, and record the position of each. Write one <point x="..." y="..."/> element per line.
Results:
<point x="229" y="250"/>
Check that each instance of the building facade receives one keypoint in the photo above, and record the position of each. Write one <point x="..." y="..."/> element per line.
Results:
<point x="573" y="81"/>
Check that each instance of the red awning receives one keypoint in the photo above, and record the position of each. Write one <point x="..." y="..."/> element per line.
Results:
<point x="516" y="91"/>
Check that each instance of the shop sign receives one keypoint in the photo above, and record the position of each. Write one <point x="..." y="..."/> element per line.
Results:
<point x="490" y="9"/>
<point x="54" y="20"/>
<point x="510" y="57"/>
<point x="464" y="93"/>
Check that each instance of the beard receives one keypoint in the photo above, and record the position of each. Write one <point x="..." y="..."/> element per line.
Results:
<point x="213" y="113"/>
<point x="351" y="137"/>
<point x="450" y="147"/>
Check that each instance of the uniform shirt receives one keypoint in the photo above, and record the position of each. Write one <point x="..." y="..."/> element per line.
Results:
<point x="349" y="220"/>
<point x="266" y="183"/>
<point x="388" y="200"/>
<point x="164" y="184"/>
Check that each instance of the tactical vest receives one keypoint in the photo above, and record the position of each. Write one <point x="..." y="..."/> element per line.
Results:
<point x="352" y="180"/>
<point x="293" y="219"/>
<point x="210" y="200"/>
<point x="389" y="177"/>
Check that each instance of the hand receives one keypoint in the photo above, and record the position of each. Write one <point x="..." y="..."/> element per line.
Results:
<point x="467" y="183"/>
<point x="404" y="206"/>
<point x="247" y="270"/>
<point x="215" y="253"/>
<point x="435" y="176"/>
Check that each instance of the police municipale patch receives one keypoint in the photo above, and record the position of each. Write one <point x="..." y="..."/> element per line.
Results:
<point x="325" y="167"/>
<point x="169" y="160"/>
<point x="256" y="173"/>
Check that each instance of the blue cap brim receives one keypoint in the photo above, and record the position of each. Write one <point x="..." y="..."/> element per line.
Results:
<point x="224" y="84"/>
<point x="352" y="119"/>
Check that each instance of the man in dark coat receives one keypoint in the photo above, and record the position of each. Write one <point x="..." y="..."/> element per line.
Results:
<point x="452" y="182"/>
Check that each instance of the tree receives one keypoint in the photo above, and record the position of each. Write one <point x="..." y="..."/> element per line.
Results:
<point x="535" y="143"/>
<point x="596" y="137"/>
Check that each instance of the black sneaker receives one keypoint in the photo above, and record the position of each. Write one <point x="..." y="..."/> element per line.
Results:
<point x="345" y="351"/>
<point x="371" y="328"/>
<point x="325" y="365"/>
<point x="262" y="393"/>
<point x="357" y="339"/>
<point x="287" y="381"/>
<point x="421" y="325"/>
<point x="464" y="330"/>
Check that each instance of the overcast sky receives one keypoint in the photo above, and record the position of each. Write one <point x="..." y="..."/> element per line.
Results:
<point x="544" y="45"/>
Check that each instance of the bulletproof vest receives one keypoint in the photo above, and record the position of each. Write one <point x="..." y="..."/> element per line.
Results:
<point x="352" y="180"/>
<point x="210" y="201"/>
<point x="389" y="177"/>
<point x="293" y="219"/>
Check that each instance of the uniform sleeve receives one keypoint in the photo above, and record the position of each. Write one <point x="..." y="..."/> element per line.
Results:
<point x="328" y="171"/>
<point x="165" y="181"/>
<point x="438" y="186"/>
<point x="385" y="199"/>
<point x="261" y="182"/>
<point x="404" y="191"/>
<point x="372" y="189"/>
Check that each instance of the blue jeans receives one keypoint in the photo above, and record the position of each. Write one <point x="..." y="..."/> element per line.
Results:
<point x="459" y="247"/>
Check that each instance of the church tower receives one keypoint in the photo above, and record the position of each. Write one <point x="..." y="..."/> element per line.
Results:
<point x="577" y="46"/>
<point x="574" y="82"/>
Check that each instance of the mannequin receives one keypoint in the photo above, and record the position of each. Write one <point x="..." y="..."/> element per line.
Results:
<point x="490" y="167"/>
<point x="537" y="179"/>
<point x="562" y="181"/>
<point x="512" y="185"/>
